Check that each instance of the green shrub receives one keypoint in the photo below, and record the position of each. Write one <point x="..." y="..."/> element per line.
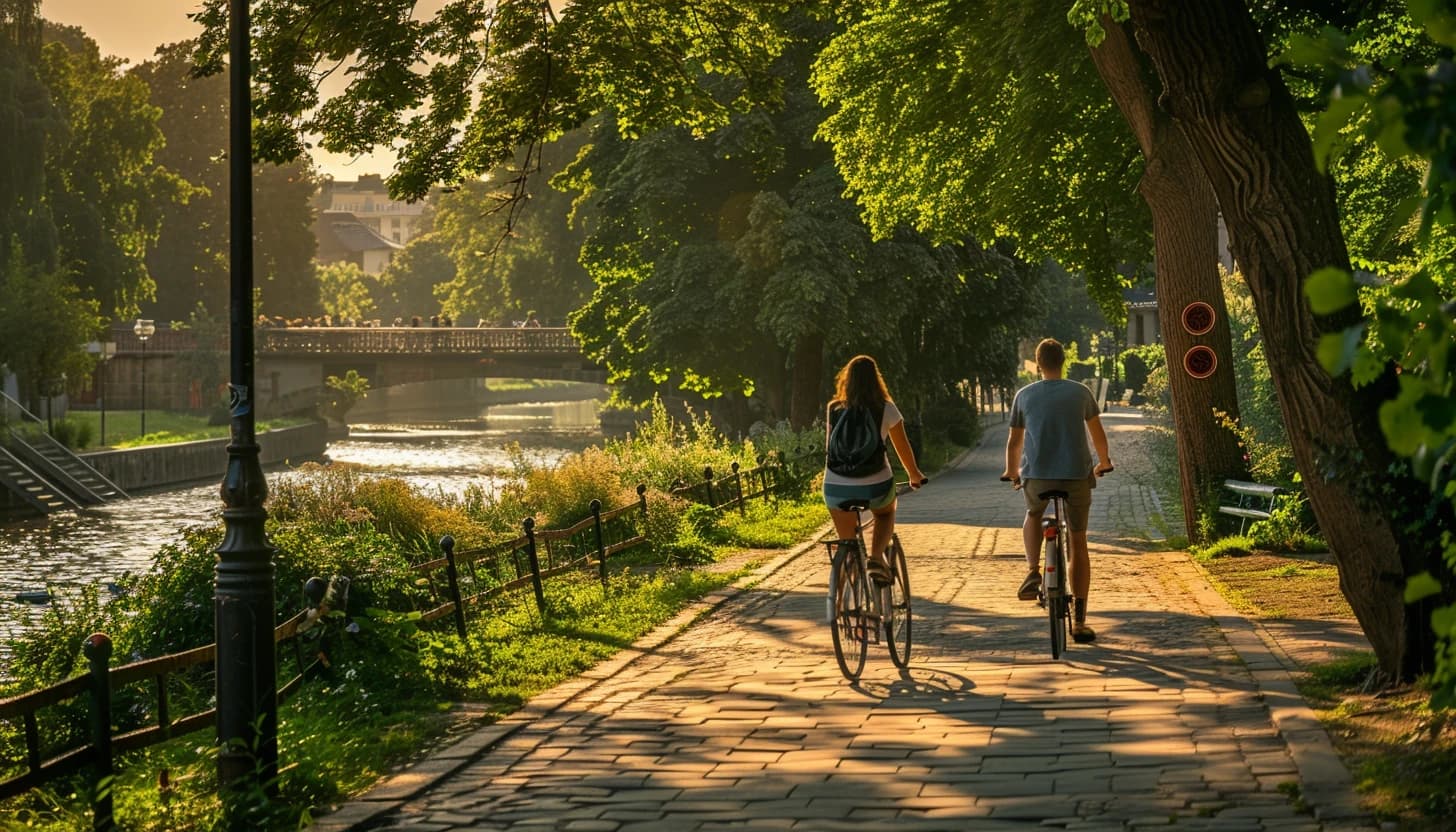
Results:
<point x="1290" y="527"/>
<point x="561" y="495"/>
<point x="1231" y="546"/>
<point x="671" y="534"/>
<point x="665" y="451"/>
<point x="75" y="434"/>
<point x="322" y="495"/>
<point x="1138" y="362"/>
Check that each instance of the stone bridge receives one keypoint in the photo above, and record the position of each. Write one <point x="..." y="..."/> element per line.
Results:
<point x="299" y="359"/>
<point x="291" y="363"/>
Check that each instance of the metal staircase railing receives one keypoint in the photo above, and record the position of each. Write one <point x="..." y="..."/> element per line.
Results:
<point x="31" y="487"/>
<point x="48" y="459"/>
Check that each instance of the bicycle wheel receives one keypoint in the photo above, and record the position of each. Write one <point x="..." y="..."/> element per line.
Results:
<point x="897" y="608"/>
<point x="1056" y="597"/>
<point x="847" y="614"/>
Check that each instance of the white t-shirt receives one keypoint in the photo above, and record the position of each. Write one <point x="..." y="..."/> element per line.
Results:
<point x="891" y="418"/>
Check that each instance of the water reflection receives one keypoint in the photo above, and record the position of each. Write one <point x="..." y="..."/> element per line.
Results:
<point x="446" y="454"/>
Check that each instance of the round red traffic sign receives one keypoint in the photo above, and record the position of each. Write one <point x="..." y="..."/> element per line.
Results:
<point x="1198" y="318"/>
<point x="1200" y="362"/>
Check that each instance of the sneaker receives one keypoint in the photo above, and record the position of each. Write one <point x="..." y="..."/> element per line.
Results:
<point x="1031" y="587"/>
<point x="879" y="571"/>
<point x="1082" y="634"/>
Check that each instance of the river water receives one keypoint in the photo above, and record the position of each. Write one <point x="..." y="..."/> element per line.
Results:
<point x="445" y="452"/>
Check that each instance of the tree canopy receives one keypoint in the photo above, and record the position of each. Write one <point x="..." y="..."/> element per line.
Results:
<point x="189" y="262"/>
<point x="945" y="121"/>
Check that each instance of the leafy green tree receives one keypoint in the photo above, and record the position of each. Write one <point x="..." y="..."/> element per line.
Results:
<point x="1038" y="141"/>
<point x="733" y="264"/>
<point x="190" y="260"/>
<point x="1244" y="125"/>
<point x="503" y="76"/>
<point x="47" y="322"/>
<point x="512" y="243"/>
<point x="408" y="284"/>
<point x="1402" y="104"/>
<point x="205" y="365"/>
<point x="103" y="185"/>
<point x="26" y="118"/>
<point x="346" y="291"/>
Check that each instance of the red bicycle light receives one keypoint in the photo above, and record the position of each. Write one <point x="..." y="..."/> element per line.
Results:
<point x="1050" y="532"/>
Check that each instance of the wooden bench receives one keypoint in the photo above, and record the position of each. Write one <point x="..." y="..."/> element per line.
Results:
<point x="1249" y="501"/>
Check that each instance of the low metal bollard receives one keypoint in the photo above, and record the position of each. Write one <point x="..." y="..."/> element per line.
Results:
<point x="530" y="525"/>
<point x="98" y="652"/>
<point x="596" y="510"/>
<point x="452" y="574"/>
<point x="738" y="487"/>
<point x="708" y="485"/>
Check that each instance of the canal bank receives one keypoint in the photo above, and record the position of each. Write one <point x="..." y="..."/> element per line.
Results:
<point x="161" y="466"/>
<point x="454" y="450"/>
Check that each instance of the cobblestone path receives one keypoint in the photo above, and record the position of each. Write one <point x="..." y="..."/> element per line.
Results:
<point x="1173" y="718"/>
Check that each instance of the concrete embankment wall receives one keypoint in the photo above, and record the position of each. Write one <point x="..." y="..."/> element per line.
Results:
<point x="143" y="469"/>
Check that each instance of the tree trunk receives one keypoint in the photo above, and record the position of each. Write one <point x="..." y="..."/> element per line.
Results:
<point x="1283" y="223"/>
<point x="805" y="404"/>
<point x="1185" y="241"/>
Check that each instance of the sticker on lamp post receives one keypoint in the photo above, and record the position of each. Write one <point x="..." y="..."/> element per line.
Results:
<point x="1198" y="318"/>
<point x="1200" y="362"/>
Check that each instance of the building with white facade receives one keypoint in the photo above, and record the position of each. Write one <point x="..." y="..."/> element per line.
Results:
<point x="368" y="200"/>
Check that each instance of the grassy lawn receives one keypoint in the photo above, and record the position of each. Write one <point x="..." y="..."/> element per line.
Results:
<point x="1402" y="755"/>
<point x="124" y="427"/>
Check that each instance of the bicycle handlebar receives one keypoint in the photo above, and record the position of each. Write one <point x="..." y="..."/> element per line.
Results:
<point x="906" y="486"/>
<point x="1016" y="483"/>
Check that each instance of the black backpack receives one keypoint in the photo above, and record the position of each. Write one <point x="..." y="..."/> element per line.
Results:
<point x="856" y="448"/>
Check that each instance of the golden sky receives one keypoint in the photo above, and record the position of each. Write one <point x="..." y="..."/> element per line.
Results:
<point x="133" y="29"/>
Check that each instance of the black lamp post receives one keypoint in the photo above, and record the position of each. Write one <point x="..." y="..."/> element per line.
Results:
<point x="144" y="329"/>
<point x="247" y="701"/>
<point x="104" y="351"/>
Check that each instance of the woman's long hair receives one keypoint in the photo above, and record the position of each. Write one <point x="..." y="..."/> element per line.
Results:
<point x="860" y="384"/>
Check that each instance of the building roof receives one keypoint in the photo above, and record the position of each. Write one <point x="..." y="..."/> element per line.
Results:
<point x="344" y="231"/>
<point x="1140" y="299"/>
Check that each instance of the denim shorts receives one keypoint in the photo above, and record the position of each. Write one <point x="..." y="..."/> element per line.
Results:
<point x="879" y="494"/>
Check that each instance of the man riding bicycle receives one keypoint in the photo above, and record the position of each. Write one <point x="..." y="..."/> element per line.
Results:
<point x="1047" y="451"/>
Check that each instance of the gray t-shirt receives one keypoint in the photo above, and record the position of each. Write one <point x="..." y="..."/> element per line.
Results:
<point x="1054" y="413"/>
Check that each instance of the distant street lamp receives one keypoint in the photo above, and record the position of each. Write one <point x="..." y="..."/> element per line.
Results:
<point x="55" y="388"/>
<point x="144" y="329"/>
<point x="104" y="351"/>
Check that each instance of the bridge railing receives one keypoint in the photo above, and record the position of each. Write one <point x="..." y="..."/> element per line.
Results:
<point x="396" y="340"/>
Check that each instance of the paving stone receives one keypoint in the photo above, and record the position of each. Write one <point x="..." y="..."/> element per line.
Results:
<point x="742" y="721"/>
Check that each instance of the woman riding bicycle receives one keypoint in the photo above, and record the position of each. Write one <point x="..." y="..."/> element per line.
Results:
<point x="860" y="470"/>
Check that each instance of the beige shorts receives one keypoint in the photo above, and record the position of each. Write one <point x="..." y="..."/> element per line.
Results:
<point x="1079" y="498"/>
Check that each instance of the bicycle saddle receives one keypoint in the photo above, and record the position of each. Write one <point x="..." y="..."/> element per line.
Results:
<point x="1048" y="495"/>
<point x="854" y="505"/>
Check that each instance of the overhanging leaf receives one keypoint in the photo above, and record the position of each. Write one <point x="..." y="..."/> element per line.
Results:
<point x="1421" y="586"/>
<point x="1329" y="290"/>
<point x="1336" y="350"/>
